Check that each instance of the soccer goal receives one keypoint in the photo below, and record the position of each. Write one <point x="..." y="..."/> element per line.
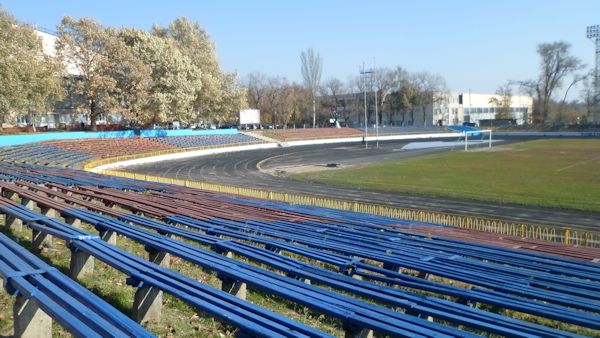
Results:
<point x="477" y="137"/>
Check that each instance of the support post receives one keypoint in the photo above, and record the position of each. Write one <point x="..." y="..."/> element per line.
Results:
<point x="27" y="203"/>
<point x="230" y="285"/>
<point x="82" y="264"/>
<point x="302" y="279"/>
<point x="423" y="275"/>
<point x="39" y="239"/>
<point x="147" y="303"/>
<point x="234" y="287"/>
<point x="13" y="223"/>
<point x="76" y="222"/>
<point x="29" y="320"/>
<point x="109" y="236"/>
<point x="357" y="277"/>
<point x="357" y="332"/>
<point x="11" y="195"/>
<point x="392" y="267"/>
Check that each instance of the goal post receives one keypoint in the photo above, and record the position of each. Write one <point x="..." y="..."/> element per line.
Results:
<point x="468" y="133"/>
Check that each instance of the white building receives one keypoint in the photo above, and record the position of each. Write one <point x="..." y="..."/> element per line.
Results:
<point x="49" y="47"/>
<point x="456" y="108"/>
<point x="64" y="112"/>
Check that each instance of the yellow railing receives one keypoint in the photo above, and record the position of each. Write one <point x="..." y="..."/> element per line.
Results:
<point x="565" y="235"/>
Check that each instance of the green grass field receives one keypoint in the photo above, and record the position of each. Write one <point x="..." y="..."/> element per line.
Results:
<point x="554" y="173"/>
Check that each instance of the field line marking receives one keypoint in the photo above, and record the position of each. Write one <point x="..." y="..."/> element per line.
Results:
<point x="577" y="163"/>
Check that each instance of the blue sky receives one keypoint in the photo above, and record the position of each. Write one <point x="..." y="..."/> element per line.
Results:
<point x="475" y="45"/>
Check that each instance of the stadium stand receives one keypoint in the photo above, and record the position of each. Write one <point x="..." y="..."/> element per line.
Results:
<point x="103" y="148"/>
<point x="38" y="153"/>
<point x="72" y="306"/>
<point x="250" y="319"/>
<point x="329" y="248"/>
<point x="468" y="235"/>
<point x="394" y="130"/>
<point x="312" y="133"/>
<point x="73" y="153"/>
<point x="206" y="141"/>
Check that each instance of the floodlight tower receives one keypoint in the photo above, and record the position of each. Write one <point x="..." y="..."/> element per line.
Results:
<point x="593" y="33"/>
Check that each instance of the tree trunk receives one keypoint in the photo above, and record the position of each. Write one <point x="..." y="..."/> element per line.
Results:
<point x="32" y="117"/>
<point x="93" y="113"/>
<point x="314" y="112"/>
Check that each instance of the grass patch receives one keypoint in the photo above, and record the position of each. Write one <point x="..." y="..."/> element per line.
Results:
<point x="551" y="173"/>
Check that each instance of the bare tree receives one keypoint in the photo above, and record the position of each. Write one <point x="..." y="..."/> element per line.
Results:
<point x="560" y="113"/>
<point x="502" y="102"/>
<point x="590" y="98"/>
<point x="274" y="90"/>
<point x="384" y="81"/>
<point x="333" y="87"/>
<point x="428" y="87"/>
<point x="255" y="84"/>
<point x="312" y="65"/>
<point x="397" y="91"/>
<point x="556" y="64"/>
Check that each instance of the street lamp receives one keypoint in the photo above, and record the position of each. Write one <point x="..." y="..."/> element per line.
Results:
<point x="376" y="112"/>
<point x="363" y="74"/>
<point x="593" y="33"/>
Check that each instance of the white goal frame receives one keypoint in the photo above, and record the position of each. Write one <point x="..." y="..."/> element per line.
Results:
<point x="466" y="136"/>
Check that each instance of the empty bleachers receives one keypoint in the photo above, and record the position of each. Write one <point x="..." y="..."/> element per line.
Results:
<point x="74" y="153"/>
<point x="103" y="148"/>
<point x="201" y="141"/>
<point x="43" y="154"/>
<point x="36" y="285"/>
<point x="312" y="133"/>
<point x="395" y="130"/>
<point x="327" y="260"/>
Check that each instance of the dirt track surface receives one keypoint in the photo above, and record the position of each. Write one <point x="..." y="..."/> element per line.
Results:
<point x="266" y="169"/>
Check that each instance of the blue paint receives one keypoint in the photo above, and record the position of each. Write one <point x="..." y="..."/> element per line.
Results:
<point x="12" y="140"/>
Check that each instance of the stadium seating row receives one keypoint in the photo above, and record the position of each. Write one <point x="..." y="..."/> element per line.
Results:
<point x="368" y="246"/>
<point x="312" y="133"/>
<point x="206" y="141"/>
<point x="73" y="153"/>
<point x="461" y="314"/>
<point x="36" y="285"/>
<point x="251" y="320"/>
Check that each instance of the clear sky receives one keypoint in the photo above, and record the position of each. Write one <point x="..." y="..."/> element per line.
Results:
<point x="473" y="44"/>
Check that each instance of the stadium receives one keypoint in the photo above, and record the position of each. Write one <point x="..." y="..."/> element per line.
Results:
<point x="268" y="259"/>
<point x="145" y="191"/>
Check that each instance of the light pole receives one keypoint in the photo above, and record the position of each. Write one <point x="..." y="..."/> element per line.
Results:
<point x="364" y="74"/>
<point x="593" y="33"/>
<point x="376" y="112"/>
